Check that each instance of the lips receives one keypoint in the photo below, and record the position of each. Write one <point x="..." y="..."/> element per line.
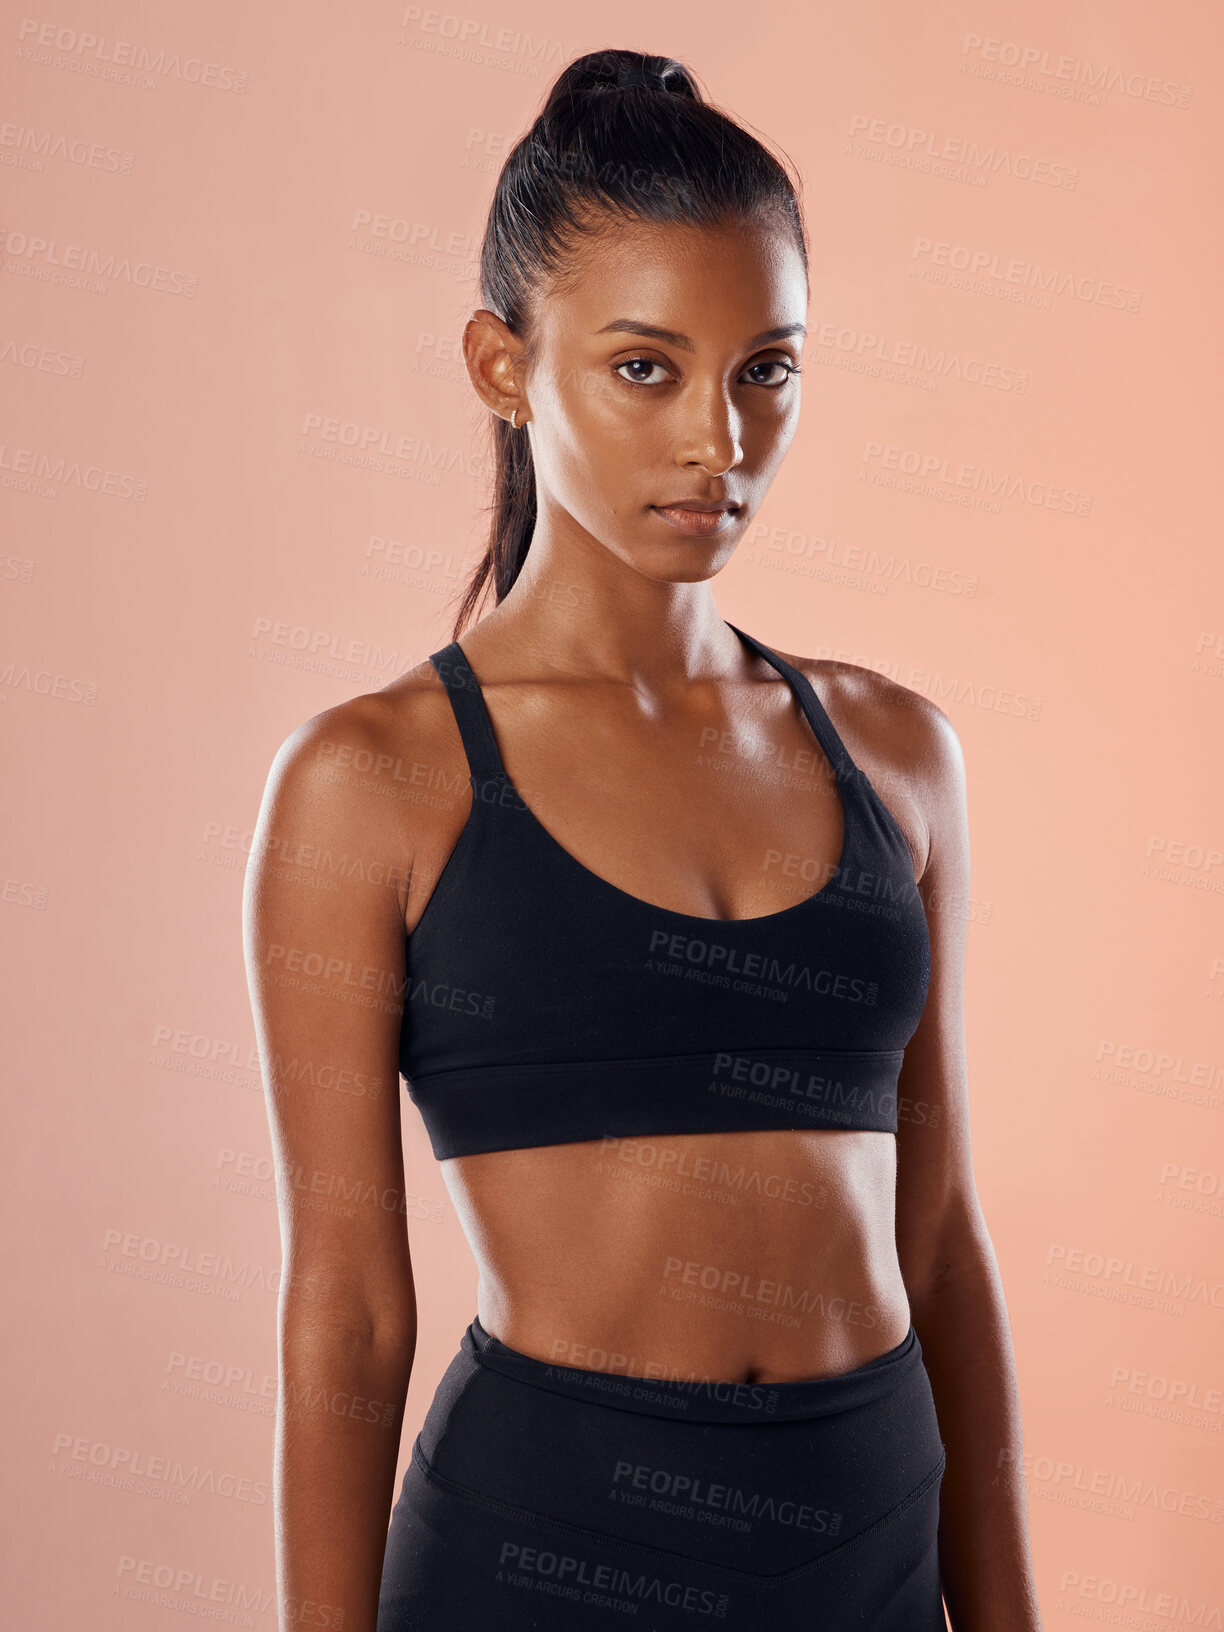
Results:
<point x="696" y="504"/>
<point x="697" y="517"/>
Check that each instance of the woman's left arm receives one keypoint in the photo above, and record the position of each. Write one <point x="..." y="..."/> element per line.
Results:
<point x="946" y="1255"/>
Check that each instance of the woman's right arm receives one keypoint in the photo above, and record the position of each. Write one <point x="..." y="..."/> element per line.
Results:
<point x="323" y="928"/>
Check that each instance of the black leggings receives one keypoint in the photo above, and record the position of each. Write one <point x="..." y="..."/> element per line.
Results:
<point x="545" y="1496"/>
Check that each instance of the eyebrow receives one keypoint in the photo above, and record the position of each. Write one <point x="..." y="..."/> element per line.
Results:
<point x="631" y="325"/>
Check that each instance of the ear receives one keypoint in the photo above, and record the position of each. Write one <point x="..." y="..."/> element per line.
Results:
<point x="494" y="357"/>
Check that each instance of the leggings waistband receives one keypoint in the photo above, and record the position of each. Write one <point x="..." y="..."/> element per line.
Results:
<point x="703" y="1400"/>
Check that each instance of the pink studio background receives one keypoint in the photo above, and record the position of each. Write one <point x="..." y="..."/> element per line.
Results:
<point x="281" y="206"/>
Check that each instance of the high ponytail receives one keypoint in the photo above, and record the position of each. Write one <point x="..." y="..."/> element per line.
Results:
<point x="622" y="132"/>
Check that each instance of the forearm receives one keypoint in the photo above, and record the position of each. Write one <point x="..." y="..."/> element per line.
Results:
<point x="340" y="1412"/>
<point x="983" y="1526"/>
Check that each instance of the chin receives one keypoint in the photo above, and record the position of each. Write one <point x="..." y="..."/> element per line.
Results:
<point x="693" y="563"/>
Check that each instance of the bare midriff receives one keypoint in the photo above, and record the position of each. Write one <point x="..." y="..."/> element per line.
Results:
<point x="746" y="1257"/>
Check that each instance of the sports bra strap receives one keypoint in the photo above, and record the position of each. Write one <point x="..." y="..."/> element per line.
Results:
<point x="471" y="715"/>
<point x="822" y="725"/>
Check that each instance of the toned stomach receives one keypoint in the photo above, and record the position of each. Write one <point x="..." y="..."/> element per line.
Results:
<point x="743" y="1257"/>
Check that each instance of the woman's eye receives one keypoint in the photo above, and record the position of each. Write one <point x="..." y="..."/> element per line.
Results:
<point x="774" y="362"/>
<point x="644" y="363"/>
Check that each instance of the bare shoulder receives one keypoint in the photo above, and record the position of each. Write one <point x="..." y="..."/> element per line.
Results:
<point x="907" y="745"/>
<point x="383" y="770"/>
<point x="376" y="734"/>
<point x="902" y="724"/>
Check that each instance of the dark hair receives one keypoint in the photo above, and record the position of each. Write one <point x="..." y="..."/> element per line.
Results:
<point x="625" y="132"/>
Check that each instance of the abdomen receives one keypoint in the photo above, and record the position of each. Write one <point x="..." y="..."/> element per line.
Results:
<point x="761" y="1256"/>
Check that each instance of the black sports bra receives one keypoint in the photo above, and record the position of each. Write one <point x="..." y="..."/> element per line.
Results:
<point x="545" y="1006"/>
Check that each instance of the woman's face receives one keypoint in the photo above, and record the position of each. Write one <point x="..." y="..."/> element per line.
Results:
<point x="625" y="422"/>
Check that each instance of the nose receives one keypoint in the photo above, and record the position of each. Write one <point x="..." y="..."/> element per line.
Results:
<point x="710" y="434"/>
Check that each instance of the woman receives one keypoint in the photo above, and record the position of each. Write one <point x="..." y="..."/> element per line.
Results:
<point x="666" y="932"/>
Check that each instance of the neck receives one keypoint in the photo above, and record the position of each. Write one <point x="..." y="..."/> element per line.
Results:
<point x="578" y="608"/>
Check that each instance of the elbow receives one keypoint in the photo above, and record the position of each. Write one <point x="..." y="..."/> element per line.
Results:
<point x="312" y="1317"/>
<point x="955" y="1249"/>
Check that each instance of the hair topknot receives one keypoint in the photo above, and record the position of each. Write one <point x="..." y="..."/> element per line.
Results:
<point x="614" y="70"/>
